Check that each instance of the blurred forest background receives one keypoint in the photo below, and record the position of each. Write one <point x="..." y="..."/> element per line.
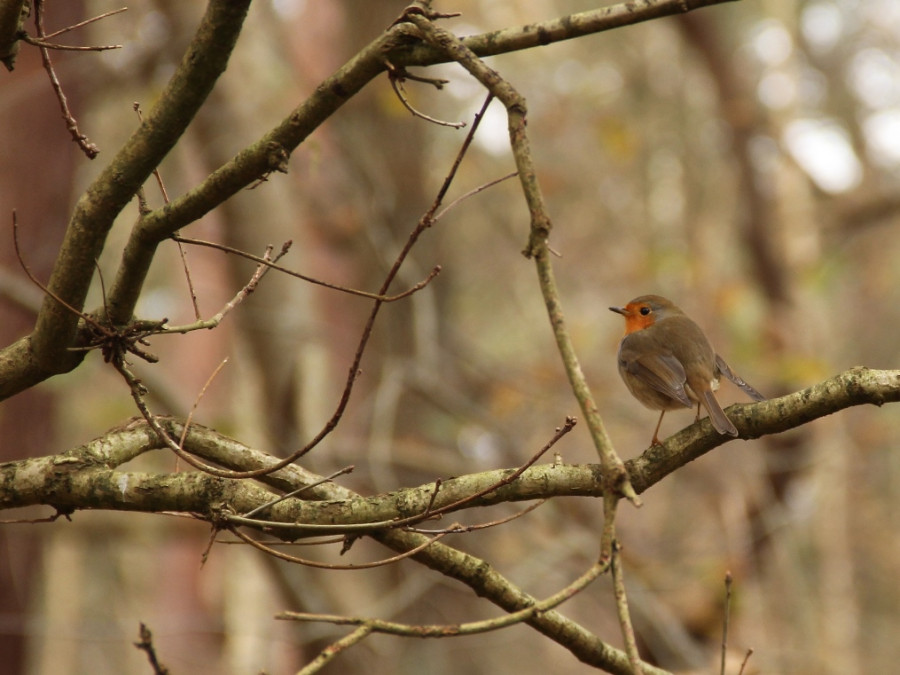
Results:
<point x="742" y="160"/>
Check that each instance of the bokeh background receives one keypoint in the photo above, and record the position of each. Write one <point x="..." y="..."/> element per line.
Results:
<point x="741" y="160"/>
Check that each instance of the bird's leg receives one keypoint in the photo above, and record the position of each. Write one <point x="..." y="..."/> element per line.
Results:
<point x="655" y="440"/>
<point x="697" y="418"/>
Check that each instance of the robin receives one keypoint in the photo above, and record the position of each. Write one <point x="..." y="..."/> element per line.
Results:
<point x="667" y="362"/>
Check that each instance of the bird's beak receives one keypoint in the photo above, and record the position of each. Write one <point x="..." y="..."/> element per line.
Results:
<point x="619" y="310"/>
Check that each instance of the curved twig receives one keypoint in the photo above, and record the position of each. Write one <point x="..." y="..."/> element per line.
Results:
<point x="343" y="289"/>
<point x="330" y="566"/>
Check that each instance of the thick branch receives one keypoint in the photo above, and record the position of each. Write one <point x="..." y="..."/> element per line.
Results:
<point x="398" y="45"/>
<point x="45" y="480"/>
<point x="84" y="478"/>
<point x="45" y="353"/>
<point x="268" y="154"/>
<point x="556" y="30"/>
<point x="857" y="386"/>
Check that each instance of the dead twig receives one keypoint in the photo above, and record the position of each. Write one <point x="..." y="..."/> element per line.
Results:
<point x="293" y="493"/>
<point x="460" y="529"/>
<point x="427" y="514"/>
<point x="396" y="76"/>
<point x="146" y="645"/>
<point x="618" y="577"/>
<point x="89" y="149"/>
<point x="343" y="289"/>
<point x="454" y="630"/>
<point x="181" y="251"/>
<point x="330" y="566"/>
<point x="335" y="648"/>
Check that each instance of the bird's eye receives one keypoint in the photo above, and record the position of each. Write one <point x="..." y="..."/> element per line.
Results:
<point x="645" y="310"/>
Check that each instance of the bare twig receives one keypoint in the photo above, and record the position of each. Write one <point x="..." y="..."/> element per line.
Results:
<point x="479" y="116"/>
<point x="37" y="282"/>
<point x="293" y="493"/>
<point x="190" y="417"/>
<point x="725" y="620"/>
<point x="454" y="630"/>
<point x="329" y="566"/>
<point x="744" y="662"/>
<point x="34" y="521"/>
<point x="426" y="221"/>
<point x="181" y="251"/>
<point x="459" y="529"/>
<point x="472" y="193"/>
<point x="146" y="645"/>
<point x="343" y="289"/>
<point x="239" y="297"/>
<point x="335" y="648"/>
<point x="618" y="577"/>
<point x="396" y="76"/>
<point x="560" y="432"/>
<point x="89" y="149"/>
<point x="82" y="24"/>
<point x="43" y="44"/>
<point x="427" y="514"/>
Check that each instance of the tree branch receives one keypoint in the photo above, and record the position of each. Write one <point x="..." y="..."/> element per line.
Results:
<point x="44" y="353"/>
<point x="54" y="480"/>
<point x="555" y="30"/>
<point x="85" y="478"/>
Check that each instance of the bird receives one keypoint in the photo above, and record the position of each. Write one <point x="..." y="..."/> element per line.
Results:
<point x="667" y="362"/>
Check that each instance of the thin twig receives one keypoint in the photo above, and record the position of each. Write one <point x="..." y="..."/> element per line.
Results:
<point x="146" y="645"/>
<point x="725" y="620"/>
<point x="473" y="192"/>
<point x="89" y="149"/>
<point x="426" y="221"/>
<point x="479" y="116"/>
<point x="294" y="493"/>
<point x="459" y="529"/>
<point x="321" y="528"/>
<point x="325" y="541"/>
<point x="181" y="252"/>
<point x="434" y="494"/>
<point x="453" y="630"/>
<point x="329" y="566"/>
<point x="34" y="521"/>
<point x="190" y="417"/>
<point x="352" y="291"/>
<point x="618" y="577"/>
<point x="40" y="284"/>
<point x="43" y="44"/>
<point x="239" y="297"/>
<point x="744" y="662"/>
<point x="367" y="527"/>
<point x="560" y="432"/>
<point x="427" y="514"/>
<point x="396" y="76"/>
<point x="82" y="24"/>
<point x="335" y="648"/>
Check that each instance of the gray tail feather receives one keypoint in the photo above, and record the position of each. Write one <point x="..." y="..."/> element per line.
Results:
<point x="717" y="416"/>
<point x="726" y="370"/>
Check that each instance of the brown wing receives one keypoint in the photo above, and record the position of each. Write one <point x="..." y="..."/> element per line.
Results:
<point x="662" y="372"/>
